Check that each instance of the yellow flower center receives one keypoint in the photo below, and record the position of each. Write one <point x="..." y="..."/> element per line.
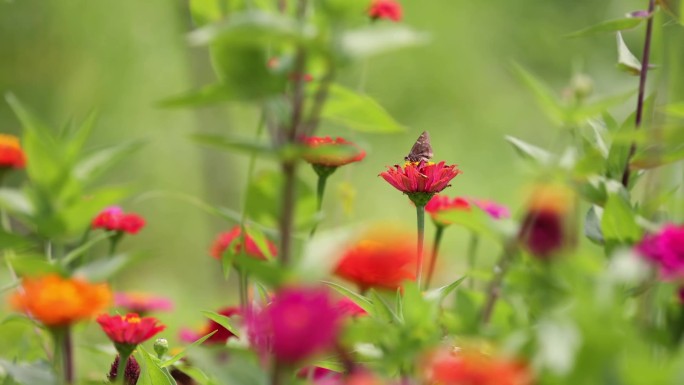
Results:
<point x="9" y="141"/>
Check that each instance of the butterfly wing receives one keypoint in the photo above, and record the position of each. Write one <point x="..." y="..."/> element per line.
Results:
<point x="421" y="150"/>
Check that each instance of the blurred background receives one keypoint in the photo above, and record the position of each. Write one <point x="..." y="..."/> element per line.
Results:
<point x="66" y="58"/>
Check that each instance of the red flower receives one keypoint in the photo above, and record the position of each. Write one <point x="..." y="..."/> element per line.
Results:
<point x="129" y="330"/>
<point x="380" y="261"/>
<point x="227" y="238"/>
<point x="11" y="154"/>
<point x="420" y="177"/>
<point x="546" y="229"/>
<point x="222" y="334"/>
<point x="114" y="219"/>
<point x="349" y="308"/>
<point x="440" y="203"/>
<point x="142" y="302"/>
<point x="385" y="9"/>
<point x="342" y="151"/>
<point x="472" y="368"/>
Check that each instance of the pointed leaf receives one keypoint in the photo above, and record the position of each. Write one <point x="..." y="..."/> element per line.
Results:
<point x="376" y="40"/>
<point x="608" y="26"/>
<point x="178" y="356"/>
<point x="358" y="112"/>
<point x="151" y="373"/>
<point x="358" y="299"/>
<point x="530" y="151"/>
<point x="222" y="320"/>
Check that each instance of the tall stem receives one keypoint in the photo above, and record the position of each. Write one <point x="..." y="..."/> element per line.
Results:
<point x="121" y="369"/>
<point x="244" y="289"/>
<point x="420" y="222"/>
<point x="68" y="356"/>
<point x="287" y="214"/>
<point x="494" y="289"/>
<point x="645" y="59"/>
<point x="63" y="355"/>
<point x="472" y="255"/>
<point x="322" y="179"/>
<point x="435" y="250"/>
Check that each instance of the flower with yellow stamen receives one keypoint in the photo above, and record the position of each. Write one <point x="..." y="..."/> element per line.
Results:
<point x="11" y="154"/>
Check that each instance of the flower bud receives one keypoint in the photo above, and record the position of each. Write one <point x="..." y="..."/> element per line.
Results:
<point x="161" y="346"/>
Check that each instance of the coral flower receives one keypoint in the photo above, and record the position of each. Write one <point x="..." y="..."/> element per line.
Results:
<point x="298" y="324"/>
<point x="379" y="261"/>
<point x="227" y="238"/>
<point x="341" y="151"/>
<point x="666" y="250"/>
<point x="129" y="330"/>
<point x="57" y="301"/>
<point x="114" y="219"/>
<point x="547" y="227"/>
<point x="11" y="154"/>
<point x="385" y="9"/>
<point x="441" y="203"/>
<point x="222" y="334"/>
<point x="420" y="180"/>
<point x="142" y="303"/>
<point x="472" y="368"/>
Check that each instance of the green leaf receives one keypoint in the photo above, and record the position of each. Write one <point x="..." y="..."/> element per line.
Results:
<point x="545" y="97"/>
<point x="256" y="28"/>
<point x="358" y="299"/>
<point x="383" y="309"/>
<point x="608" y="26"/>
<point x="675" y="109"/>
<point x="358" y="112"/>
<point x="151" y="372"/>
<point x="207" y="95"/>
<point x="78" y="137"/>
<point x="32" y="373"/>
<point x="104" y="269"/>
<point x="205" y="11"/>
<point x="77" y="252"/>
<point x="377" y="39"/>
<point x="264" y="205"/>
<point x="15" y="201"/>
<point x="260" y="240"/>
<point x="97" y="163"/>
<point x="530" y="151"/>
<point x="178" y="356"/>
<point x="269" y="273"/>
<point x="222" y="320"/>
<point x="618" y="222"/>
<point x="592" y="225"/>
<point x="235" y="144"/>
<point x="441" y="293"/>
<point x="626" y="60"/>
<point x="12" y="241"/>
<point x="34" y="265"/>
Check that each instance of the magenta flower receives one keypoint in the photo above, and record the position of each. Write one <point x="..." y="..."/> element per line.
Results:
<point x="142" y="303"/>
<point x="495" y="210"/>
<point x="349" y="308"/>
<point x="665" y="249"/>
<point x="297" y="324"/>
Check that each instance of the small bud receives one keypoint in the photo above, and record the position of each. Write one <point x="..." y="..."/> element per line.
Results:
<point x="161" y="346"/>
<point x="582" y="85"/>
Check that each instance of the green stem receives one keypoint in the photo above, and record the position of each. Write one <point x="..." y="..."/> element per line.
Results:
<point x="472" y="256"/>
<point x="420" y="221"/>
<point x="244" y="287"/>
<point x="114" y="242"/>
<point x="435" y="251"/>
<point x="494" y="289"/>
<point x="287" y="215"/>
<point x="121" y="369"/>
<point x="322" y="179"/>
<point x="63" y="355"/>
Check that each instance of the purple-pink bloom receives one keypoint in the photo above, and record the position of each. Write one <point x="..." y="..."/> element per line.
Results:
<point x="495" y="210"/>
<point x="142" y="303"/>
<point x="297" y="324"/>
<point x="665" y="249"/>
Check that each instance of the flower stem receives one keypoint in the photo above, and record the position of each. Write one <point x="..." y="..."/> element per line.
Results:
<point x="121" y="369"/>
<point x="472" y="255"/>
<point x="420" y="221"/>
<point x="322" y="179"/>
<point x="243" y="287"/>
<point x="645" y="59"/>
<point x="433" y="259"/>
<point x="277" y="374"/>
<point x="287" y="214"/>
<point x="494" y="289"/>
<point x="63" y="356"/>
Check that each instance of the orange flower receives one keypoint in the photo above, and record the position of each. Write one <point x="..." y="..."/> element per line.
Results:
<point x="11" y="154"/>
<point x="57" y="301"/>
<point x="379" y="260"/>
<point x="474" y="368"/>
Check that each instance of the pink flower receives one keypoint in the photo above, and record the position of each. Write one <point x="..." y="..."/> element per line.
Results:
<point x="114" y="219"/>
<point x="440" y="203"/>
<point x="226" y="238"/>
<point x="130" y="329"/>
<point x="665" y="249"/>
<point x="349" y="308"/>
<point x="420" y="177"/>
<point x="385" y="9"/>
<point x="495" y="210"/>
<point x="142" y="303"/>
<point x="297" y="324"/>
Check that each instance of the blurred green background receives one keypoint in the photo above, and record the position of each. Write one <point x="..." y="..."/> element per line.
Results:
<point x="66" y="58"/>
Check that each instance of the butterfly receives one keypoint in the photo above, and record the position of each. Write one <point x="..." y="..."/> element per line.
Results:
<point x="421" y="150"/>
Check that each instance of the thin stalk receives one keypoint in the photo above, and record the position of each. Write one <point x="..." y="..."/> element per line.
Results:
<point x="420" y="222"/>
<point x="472" y="255"/>
<point x="494" y="289"/>
<point x="645" y="59"/>
<point x="287" y="214"/>
<point x="320" y="190"/>
<point x="433" y="260"/>
<point x="121" y="369"/>
<point x="68" y="349"/>
<point x="244" y="288"/>
<point x="63" y="355"/>
<point x="277" y="374"/>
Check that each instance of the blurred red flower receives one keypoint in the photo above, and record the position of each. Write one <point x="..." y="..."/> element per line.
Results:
<point x="666" y="250"/>
<point x="420" y="177"/>
<point x="474" y="368"/>
<point x="441" y="203"/>
<point x="114" y="219"/>
<point x="225" y="239"/>
<point x="222" y="334"/>
<point x="342" y="151"/>
<point x="129" y="330"/>
<point x="11" y="154"/>
<point x="349" y="308"/>
<point x="379" y="261"/>
<point x="385" y="9"/>
<point x="298" y="324"/>
<point x="141" y="303"/>
<point x="547" y="227"/>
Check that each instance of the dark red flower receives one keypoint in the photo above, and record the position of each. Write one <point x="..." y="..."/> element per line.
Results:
<point x="379" y="260"/>
<point x="114" y="219"/>
<point x="129" y="330"/>
<point x="224" y="240"/>
<point x="131" y="373"/>
<point x="385" y="9"/>
<point x="420" y="177"/>
<point x="11" y="154"/>
<point x="341" y="151"/>
<point x="222" y="334"/>
<point x="298" y="324"/>
<point x="546" y="228"/>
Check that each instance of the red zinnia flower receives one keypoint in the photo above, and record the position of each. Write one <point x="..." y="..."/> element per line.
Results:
<point x="349" y="152"/>
<point x="385" y="9"/>
<point x="380" y="261"/>
<point x="420" y="177"/>
<point x="11" y="154"/>
<point x="297" y="324"/>
<point x="142" y="302"/>
<point x="222" y="334"/>
<point x="227" y="238"/>
<point x="441" y="203"/>
<point x="473" y="368"/>
<point x="114" y="219"/>
<point x="129" y="330"/>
